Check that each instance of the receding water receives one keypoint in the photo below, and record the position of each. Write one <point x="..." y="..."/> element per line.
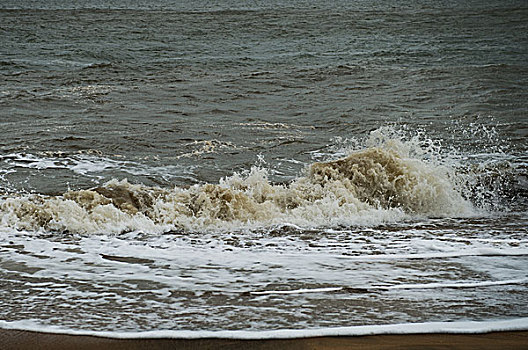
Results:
<point x="262" y="165"/>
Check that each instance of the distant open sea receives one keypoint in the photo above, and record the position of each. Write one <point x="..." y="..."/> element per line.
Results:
<point x="262" y="165"/>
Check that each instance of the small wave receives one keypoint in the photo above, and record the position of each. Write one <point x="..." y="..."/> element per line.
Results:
<point x="88" y="163"/>
<point x="203" y="147"/>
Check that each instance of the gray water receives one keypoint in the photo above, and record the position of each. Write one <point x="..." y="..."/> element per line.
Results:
<point x="263" y="164"/>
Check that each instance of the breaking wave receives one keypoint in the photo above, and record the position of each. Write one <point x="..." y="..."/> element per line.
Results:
<point x="386" y="181"/>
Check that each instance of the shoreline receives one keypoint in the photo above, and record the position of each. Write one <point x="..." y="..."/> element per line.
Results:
<point x="11" y="339"/>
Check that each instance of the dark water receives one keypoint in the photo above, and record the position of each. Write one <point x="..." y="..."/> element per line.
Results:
<point x="218" y="115"/>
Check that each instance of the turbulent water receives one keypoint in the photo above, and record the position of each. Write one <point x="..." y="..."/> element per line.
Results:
<point x="262" y="165"/>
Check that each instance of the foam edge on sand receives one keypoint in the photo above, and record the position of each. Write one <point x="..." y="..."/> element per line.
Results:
<point x="456" y="327"/>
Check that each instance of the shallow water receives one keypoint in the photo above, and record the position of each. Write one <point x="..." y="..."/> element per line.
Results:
<point x="416" y="272"/>
<point x="262" y="166"/>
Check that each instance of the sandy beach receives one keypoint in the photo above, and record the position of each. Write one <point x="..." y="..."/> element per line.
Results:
<point x="20" y="340"/>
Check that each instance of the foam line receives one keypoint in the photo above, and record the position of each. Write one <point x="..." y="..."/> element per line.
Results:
<point x="298" y="291"/>
<point x="457" y="285"/>
<point x="454" y="254"/>
<point x="458" y="327"/>
<point x="400" y="286"/>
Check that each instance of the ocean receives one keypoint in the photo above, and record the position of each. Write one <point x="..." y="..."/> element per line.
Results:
<point x="258" y="166"/>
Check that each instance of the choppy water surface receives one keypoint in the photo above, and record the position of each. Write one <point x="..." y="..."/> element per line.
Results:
<point x="263" y="165"/>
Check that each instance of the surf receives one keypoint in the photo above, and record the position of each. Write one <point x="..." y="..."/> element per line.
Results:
<point x="387" y="180"/>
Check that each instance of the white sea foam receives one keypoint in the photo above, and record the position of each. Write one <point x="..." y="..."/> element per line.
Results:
<point x="298" y="291"/>
<point x="89" y="165"/>
<point x="480" y="284"/>
<point x="442" y="255"/>
<point x="456" y="285"/>
<point x="456" y="327"/>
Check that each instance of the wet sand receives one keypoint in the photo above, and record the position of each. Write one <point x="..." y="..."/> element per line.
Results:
<point x="21" y="340"/>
